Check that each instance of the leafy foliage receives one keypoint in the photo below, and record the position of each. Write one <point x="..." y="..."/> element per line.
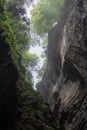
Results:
<point x="21" y="29"/>
<point x="20" y="25"/>
<point x="33" y="60"/>
<point x="6" y="31"/>
<point x="26" y="107"/>
<point x="42" y="70"/>
<point x="16" y="7"/>
<point x="45" y="14"/>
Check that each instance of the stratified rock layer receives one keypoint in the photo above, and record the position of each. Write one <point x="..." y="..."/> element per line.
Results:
<point x="64" y="85"/>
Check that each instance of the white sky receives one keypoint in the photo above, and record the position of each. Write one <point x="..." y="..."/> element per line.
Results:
<point x="37" y="49"/>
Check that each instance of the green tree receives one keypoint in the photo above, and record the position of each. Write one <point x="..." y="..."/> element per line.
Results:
<point x="21" y="28"/>
<point x="16" y="7"/>
<point x="45" y="15"/>
<point x="33" y="60"/>
<point x="42" y="70"/>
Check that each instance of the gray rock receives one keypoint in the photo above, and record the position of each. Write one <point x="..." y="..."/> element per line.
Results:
<point x="64" y="85"/>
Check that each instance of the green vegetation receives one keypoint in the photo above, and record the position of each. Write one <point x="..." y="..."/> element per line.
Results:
<point x="42" y="70"/>
<point x="20" y="25"/>
<point x="33" y="60"/>
<point x="7" y="31"/>
<point x="21" y="29"/>
<point x="45" y="15"/>
<point x="21" y="107"/>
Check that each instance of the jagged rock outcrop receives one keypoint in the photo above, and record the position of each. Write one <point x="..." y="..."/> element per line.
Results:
<point x="64" y="85"/>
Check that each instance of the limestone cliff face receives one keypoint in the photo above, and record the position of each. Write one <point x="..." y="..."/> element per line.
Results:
<point x="64" y="85"/>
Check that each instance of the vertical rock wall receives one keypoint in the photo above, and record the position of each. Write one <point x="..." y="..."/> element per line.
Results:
<point x="64" y="85"/>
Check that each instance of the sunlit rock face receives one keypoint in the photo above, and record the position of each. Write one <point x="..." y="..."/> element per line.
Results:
<point x="64" y="85"/>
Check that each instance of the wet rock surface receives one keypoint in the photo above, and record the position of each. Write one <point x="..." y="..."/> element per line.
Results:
<point x="64" y="85"/>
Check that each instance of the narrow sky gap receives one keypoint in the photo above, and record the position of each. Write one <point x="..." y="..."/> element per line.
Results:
<point x="36" y="49"/>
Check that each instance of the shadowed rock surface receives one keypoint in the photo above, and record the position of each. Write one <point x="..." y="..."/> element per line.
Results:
<point x="64" y="85"/>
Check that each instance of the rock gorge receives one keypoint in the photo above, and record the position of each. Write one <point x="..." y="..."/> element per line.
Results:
<point x="64" y="84"/>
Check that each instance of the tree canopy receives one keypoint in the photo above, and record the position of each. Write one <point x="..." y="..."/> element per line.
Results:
<point x="45" y="14"/>
<point x="20" y="25"/>
<point x="21" y="28"/>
